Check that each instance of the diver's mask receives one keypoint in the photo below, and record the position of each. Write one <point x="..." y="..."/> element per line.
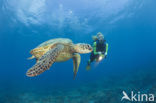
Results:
<point x="101" y="38"/>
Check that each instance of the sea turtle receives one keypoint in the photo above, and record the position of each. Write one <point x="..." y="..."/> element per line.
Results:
<point x="56" y="50"/>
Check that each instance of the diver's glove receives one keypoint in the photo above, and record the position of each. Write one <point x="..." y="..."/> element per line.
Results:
<point x="105" y="54"/>
<point x="99" y="53"/>
<point x="102" y="55"/>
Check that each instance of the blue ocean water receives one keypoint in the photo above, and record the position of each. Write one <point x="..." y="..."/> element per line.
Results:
<point x="129" y="27"/>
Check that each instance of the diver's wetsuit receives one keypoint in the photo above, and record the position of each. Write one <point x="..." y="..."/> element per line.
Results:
<point x="98" y="47"/>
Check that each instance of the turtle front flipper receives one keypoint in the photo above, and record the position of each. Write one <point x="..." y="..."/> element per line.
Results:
<point x="76" y="63"/>
<point x="45" y="61"/>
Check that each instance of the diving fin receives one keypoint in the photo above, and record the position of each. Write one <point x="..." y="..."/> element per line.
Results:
<point x="88" y="67"/>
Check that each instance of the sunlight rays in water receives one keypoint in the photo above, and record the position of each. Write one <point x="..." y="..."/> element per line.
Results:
<point x="63" y="15"/>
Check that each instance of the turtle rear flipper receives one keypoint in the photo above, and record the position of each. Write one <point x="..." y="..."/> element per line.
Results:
<point x="45" y="61"/>
<point x="76" y="63"/>
<point x="32" y="57"/>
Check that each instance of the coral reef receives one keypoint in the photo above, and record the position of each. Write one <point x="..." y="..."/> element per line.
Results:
<point x="102" y="91"/>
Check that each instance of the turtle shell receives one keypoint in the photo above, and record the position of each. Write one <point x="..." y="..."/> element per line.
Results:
<point x="47" y="45"/>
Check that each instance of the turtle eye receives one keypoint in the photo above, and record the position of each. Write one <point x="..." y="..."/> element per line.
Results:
<point x="88" y="46"/>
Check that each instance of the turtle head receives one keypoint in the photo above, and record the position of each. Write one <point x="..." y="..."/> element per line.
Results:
<point x="83" y="48"/>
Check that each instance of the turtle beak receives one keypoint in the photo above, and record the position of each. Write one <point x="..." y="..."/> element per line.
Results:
<point x="90" y="48"/>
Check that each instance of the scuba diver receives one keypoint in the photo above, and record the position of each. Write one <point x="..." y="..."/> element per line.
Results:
<point x="100" y="49"/>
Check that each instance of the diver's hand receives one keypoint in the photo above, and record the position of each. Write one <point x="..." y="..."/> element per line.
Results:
<point x="105" y="55"/>
<point x="99" y="53"/>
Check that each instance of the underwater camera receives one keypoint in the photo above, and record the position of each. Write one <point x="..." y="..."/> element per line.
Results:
<point x="100" y="57"/>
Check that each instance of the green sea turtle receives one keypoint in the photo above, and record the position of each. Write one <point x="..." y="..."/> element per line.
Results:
<point x="56" y="50"/>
